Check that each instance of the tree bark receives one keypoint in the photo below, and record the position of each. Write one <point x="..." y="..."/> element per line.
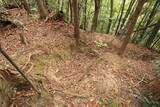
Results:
<point x="141" y="23"/>
<point x="130" y="25"/>
<point x="85" y="16"/>
<point x="130" y="8"/>
<point x="71" y="11"/>
<point x="140" y="29"/>
<point x="153" y="34"/>
<point x="17" y="68"/>
<point x="95" y="17"/>
<point x="26" y="6"/>
<point x="150" y="18"/>
<point x="41" y="8"/>
<point x="119" y="22"/>
<point x="111" y="15"/>
<point x="76" y="21"/>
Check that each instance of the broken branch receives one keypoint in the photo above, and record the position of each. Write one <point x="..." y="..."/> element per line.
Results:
<point x="17" y="68"/>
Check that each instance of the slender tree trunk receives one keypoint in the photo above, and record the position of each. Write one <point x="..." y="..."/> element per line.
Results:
<point x="80" y="12"/>
<point x="111" y="15"/>
<point x="68" y="11"/>
<point x="102" y="27"/>
<point x="62" y="5"/>
<point x="130" y="8"/>
<point x="140" y="29"/>
<point x="85" y="16"/>
<point x="26" y="6"/>
<point x="59" y="4"/>
<point x="46" y="4"/>
<point x="76" y="21"/>
<point x="150" y="18"/>
<point x="135" y="38"/>
<point x="153" y="34"/>
<point x="130" y="26"/>
<point x="95" y="17"/>
<point x="155" y="43"/>
<point x="71" y="11"/>
<point x="17" y="68"/>
<point x="41" y="8"/>
<point x="117" y="17"/>
<point x="141" y="23"/>
<point x="119" y="22"/>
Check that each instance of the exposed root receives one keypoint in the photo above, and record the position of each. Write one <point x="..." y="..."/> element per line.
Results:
<point x="68" y="95"/>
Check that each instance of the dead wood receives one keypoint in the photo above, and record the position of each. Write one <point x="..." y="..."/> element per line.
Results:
<point x="17" y="68"/>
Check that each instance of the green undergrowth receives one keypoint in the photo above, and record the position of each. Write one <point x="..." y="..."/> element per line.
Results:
<point x="56" y="56"/>
<point x="46" y="95"/>
<point x="108" y="103"/>
<point x="145" y="98"/>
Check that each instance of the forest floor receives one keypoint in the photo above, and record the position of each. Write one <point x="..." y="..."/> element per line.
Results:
<point x="94" y="76"/>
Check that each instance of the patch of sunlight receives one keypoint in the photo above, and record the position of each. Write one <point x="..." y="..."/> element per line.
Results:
<point x="100" y="44"/>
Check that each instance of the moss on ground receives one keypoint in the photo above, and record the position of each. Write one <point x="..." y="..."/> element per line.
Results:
<point x="57" y="56"/>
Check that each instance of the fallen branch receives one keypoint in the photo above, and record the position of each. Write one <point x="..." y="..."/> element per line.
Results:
<point x="17" y="68"/>
<point x="139" y="82"/>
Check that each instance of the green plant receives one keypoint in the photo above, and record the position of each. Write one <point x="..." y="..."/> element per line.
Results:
<point x="45" y="95"/>
<point x="145" y="98"/>
<point x="63" y="105"/>
<point x="158" y="63"/>
<point x="16" y="21"/>
<point x="100" y="44"/>
<point x="110" y="103"/>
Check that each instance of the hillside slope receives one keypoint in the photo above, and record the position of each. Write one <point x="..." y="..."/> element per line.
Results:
<point x="70" y="78"/>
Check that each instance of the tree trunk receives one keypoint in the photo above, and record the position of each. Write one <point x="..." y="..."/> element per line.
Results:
<point x="71" y="11"/>
<point x="96" y="13"/>
<point x="119" y="22"/>
<point x="111" y="15"/>
<point x="62" y="6"/>
<point x="117" y="17"/>
<point x="68" y="11"/>
<point x="41" y="8"/>
<point x="46" y="4"/>
<point x="130" y="8"/>
<point x="130" y="25"/>
<point x="76" y="21"/>
<point x="156" y="43"/>
<point x="141" y="23"/>
<point x="150" y="18"/>
<point x="26" y="6"/>
<point x="153" y="34"/>
<point x="85" y="16"/>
